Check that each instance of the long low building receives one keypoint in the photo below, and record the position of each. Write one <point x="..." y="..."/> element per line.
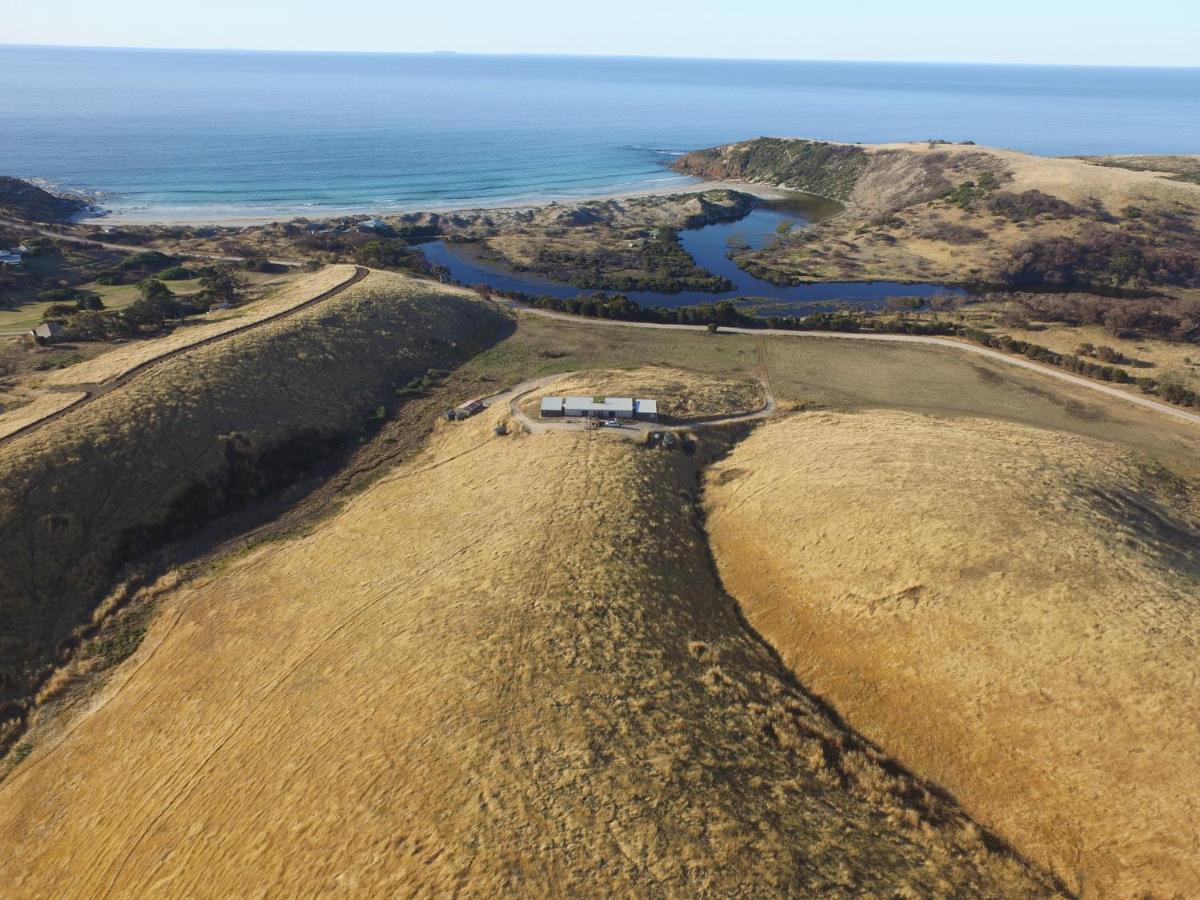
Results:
<point x="599" y="408"/>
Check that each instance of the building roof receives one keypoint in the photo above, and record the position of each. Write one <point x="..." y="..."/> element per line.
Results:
<point x="646" y="407"/>
<point x="600" y="404"/>
<point x="552" y="404"/>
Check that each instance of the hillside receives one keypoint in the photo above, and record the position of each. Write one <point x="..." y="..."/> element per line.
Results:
<point x="1011" y="612"/>
<point x="967" y="214"/>
<point x="28" y="202"/>
<point x="506" y="669"/>
<point x="197" y="435"/>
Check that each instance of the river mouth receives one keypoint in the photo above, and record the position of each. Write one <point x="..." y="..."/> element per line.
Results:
<point x="710" y="246"/>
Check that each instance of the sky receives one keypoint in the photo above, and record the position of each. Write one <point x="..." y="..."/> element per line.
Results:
<point x="1071" y="32"/>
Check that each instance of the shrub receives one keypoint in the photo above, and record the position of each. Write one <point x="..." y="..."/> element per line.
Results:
<point x="58" y="295"/>
<point x="1029" y="205"/>
<point x="153" y="289"/>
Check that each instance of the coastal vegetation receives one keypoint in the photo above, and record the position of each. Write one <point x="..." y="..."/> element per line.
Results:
<point x="966" y="214"/>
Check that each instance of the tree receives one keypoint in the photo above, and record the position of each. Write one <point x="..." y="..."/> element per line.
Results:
<point x="153" y="310"/>
<point x="223" y="284"/>
<point x="153" y="289"/>
<point x="712" y="327"/>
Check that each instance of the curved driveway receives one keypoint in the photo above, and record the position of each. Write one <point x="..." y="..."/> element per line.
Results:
<point x="629" y="428"/>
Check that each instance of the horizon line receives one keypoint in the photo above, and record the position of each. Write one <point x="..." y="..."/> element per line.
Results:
<point x="614" y="56"/>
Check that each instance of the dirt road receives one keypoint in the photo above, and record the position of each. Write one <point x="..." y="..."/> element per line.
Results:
<point x="963" y="346"/>
<point x="89" y="392"/>
<point x="130" y="248"/>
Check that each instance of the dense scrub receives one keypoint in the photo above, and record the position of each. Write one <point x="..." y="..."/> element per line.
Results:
<point x="1028" y="205"/>
<point x="816" y="167"/>
<point x="1105" y="256"/>
<point x="660" y="264"/>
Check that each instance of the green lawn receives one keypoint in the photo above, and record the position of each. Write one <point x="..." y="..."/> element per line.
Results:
<point x="29" y="315"/>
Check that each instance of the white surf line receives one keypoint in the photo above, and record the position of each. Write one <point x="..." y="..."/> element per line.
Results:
<point x="1007" y="359"/>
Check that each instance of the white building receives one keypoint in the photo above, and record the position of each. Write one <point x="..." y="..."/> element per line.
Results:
<point x="10" y="257"/>
<point x="599" y="408"/>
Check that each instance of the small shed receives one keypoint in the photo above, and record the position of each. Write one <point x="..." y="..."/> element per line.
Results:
<point x="552" y="407"/>
<point x="646" y="409"/>
<point x="48" y="332"/>
<point x="471" y="407"/>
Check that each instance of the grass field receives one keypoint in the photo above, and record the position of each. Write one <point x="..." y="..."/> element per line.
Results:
<point x="837" y="374"/>
<point x="197" y="434"/>
<point x="118" y="296"/>
<point x="1012" y="612"/>
<point x="506" y="668"/>
<point x="505" y="664"/>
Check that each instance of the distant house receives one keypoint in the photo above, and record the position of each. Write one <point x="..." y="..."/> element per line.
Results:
<point x="48" y="332"/>
<point x="465" y="410"/>
<point x="599" y="408"/>
<point x="11" y="257"/>
<point x="373" y="225"/>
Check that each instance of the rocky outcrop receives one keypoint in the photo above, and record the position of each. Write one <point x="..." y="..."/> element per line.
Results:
<point x="21" y="200"/>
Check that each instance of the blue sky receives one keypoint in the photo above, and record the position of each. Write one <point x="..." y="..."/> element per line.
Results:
<point x="1080" y="32"/>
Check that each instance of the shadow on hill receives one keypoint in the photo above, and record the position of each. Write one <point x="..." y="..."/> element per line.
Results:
<point x="100" y="502"/>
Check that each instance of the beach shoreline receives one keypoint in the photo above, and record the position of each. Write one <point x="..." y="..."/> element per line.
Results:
<point x="685" y="185"/>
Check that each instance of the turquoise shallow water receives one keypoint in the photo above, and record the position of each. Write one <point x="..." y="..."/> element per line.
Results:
<point x="196" y="135"/>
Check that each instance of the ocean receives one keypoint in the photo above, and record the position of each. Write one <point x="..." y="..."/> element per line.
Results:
<point x="208" y="135"/>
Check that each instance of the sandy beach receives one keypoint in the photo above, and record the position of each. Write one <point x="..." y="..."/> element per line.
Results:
<point x="683" y="185"/>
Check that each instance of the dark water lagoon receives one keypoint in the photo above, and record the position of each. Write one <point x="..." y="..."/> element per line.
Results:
<point x="710" y="247"/>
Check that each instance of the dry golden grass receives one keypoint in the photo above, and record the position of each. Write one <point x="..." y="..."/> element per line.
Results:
<point x="1012" y="612"/>
<point x="680" y="394"/>
<point x="903" y="184"/>
<point x="35" y="410"/>
<point x="129" y="356"/>
<point x="166" y="451"/>
<point x="1167" y="359"/>
<point x="507" y="669"/>
<point x="839" y="374"/>
<point x="1074" y="180"/>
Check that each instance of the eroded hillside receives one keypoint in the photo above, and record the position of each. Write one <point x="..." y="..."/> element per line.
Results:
<point x="1012" y="612"/>
<point x="508" y="668"/>
<point x="199" y="434"/>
